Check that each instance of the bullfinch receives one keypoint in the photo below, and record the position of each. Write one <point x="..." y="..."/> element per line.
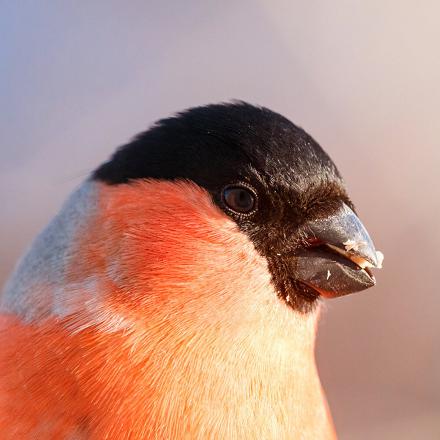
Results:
<point x="176" y="294"/>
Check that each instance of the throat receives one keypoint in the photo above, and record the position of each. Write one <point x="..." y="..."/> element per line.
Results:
<point x="255" y="380"/>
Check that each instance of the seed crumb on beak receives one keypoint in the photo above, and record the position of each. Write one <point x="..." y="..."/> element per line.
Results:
<point x="328" y="274"/>
<point x="380" y="258"/>
<point x="363" y="264"/>
<point x="353" y="245"/>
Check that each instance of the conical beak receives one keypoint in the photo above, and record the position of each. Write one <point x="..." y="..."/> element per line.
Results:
<point x="340" y="255"/>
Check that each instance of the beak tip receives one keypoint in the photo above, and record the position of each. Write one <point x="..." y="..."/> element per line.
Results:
<point x="341" y="262"/>
<point x="374" y="260"/>
<point x="372" y="281"/>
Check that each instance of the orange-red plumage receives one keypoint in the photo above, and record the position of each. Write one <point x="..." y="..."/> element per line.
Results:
<point x="168" y="327"/>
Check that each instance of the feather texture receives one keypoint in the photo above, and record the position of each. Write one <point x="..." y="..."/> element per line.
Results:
<point x="156" y="320"/>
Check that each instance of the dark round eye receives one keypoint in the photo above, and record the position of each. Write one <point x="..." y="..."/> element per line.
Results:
<point x="239" y="199"/>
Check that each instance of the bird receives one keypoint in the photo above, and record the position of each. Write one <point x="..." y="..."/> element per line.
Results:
<point x="177" y="292"/>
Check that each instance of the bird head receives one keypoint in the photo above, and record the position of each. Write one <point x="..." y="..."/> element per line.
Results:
<point x="178" y="287"/>
<point x="272" y="181"/>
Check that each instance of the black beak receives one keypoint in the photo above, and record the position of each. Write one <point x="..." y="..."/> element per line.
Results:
<point x="340" y="256"/>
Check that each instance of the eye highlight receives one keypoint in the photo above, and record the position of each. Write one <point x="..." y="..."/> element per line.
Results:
<point x="239" y="199"/>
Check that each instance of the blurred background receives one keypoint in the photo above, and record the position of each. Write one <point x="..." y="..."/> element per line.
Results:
<point x="78" y="79"/>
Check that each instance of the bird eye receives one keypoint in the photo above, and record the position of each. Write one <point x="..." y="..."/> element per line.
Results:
<point x="239" y="199"/>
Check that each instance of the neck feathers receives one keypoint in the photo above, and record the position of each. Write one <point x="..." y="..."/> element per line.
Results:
<point x="167" y="319"/>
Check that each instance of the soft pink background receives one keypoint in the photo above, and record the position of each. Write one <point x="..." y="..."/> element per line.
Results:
<point x="363" y="77"/>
